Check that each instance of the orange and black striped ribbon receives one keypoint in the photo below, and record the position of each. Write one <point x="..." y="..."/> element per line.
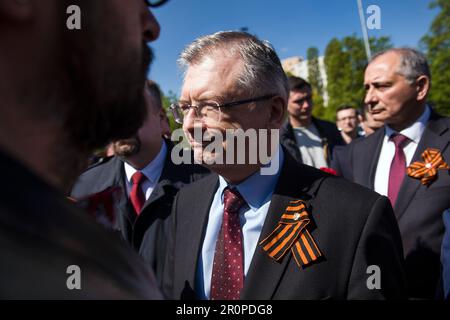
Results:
<point x="427" y="171"/>
<point x="291" y="233"/>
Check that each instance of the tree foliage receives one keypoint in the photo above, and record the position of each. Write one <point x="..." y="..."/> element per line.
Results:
<point x="436" y="45"/>
<point x="345" y="62"/>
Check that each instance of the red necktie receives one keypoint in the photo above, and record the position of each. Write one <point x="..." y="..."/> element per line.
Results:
<point x="227" y="278"/>
<point x="137" y="196"/>
<point x="398" y="167"/>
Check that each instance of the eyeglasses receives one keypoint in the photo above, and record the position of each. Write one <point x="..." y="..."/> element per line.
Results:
<point x="155" y="3"/>
<point x="210" y="111"/>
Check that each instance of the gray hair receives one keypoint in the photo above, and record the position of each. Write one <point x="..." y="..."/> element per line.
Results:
<point x="262" y="67"/>
<point x="413" y="63"/>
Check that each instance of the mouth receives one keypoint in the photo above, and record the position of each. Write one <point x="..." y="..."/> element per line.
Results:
<point x="376" y="111"/>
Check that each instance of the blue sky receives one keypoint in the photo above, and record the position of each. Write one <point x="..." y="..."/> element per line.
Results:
<point x="292" y="26"/>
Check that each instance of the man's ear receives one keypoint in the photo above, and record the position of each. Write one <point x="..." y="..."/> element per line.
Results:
<point x="277" y="112"/>
<point x="423" y="87"/>
<point x="16" y="11"/>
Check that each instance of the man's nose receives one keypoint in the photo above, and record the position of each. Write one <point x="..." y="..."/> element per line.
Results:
<point x="370" y="97"/>
<point x="150" y="25"/>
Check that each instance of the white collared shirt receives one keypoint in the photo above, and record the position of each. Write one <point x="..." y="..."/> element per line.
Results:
<point x="152" y="172"/>
<point x="414" y="133"/>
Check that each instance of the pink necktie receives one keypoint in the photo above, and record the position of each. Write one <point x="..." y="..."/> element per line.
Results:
<point x="137" y="196"/>
<point x="398" y="167"/>
<point x="228" y="269"/>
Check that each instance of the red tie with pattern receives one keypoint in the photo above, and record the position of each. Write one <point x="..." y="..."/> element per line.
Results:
<point x="227" y="278"/>
<point x="398" y="167"/>
<point x="137" y="196"/>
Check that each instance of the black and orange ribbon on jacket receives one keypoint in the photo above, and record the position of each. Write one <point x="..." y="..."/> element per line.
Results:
<point x="291" y="234"/>
<point x="427" y="171"/>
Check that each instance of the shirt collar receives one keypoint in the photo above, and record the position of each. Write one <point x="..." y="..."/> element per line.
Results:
<point x="153" y="170"/>
<point x="413" y="132"/>
<point x="256" y="189"/>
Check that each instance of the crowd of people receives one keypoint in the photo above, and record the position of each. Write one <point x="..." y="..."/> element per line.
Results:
<point x="357" y="209"/>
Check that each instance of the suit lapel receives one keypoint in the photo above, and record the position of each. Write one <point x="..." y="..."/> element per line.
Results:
<point x="365" y="161"/>
<point x="193" y="230"/>
<point x="264" y="273"/>
<point x="435" y="136"/>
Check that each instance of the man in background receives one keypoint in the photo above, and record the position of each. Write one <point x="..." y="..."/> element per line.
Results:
<point x="347" y="123"/>
<point x="368" y="123"/>
<point x="308" y="139"/>
<point x="407" y="160"/>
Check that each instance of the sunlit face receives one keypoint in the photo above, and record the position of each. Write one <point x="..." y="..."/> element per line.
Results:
<point x="214" y="80"/>
<point x="391" y="99"/>
<point x="347" y="120"/>
<point x="300" y="104"/>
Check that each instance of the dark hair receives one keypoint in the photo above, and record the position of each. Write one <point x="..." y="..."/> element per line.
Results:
<point x="297" y="83"/>
<point x="345" y="107"/>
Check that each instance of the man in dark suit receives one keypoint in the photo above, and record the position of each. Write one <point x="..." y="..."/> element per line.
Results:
<point x="68" y="95"/>
<point x="142" y="225"/>
<point x="267" y="229"/>
<point x="308" y="139"/>
<point x="445" y="255"/>
<point x="397" y="83"/>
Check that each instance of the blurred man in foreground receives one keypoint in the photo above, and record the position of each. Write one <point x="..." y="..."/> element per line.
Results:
<point x="73" y="92"/>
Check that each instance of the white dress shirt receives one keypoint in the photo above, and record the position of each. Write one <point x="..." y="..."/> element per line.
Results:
<point x="152" y="172"/>
<point x="414" y="133"/>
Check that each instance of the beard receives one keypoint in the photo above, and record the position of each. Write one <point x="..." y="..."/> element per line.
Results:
<point x="127" y="147"/>
<point x="114" y="110"/>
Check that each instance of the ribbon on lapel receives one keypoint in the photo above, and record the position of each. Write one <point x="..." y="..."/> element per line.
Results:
<point x="427" y="171"/>
<point x="291" y="234"/>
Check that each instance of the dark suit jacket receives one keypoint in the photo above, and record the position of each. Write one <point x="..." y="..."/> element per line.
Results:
<point x="418" y="208"/>
<point x="341" y="162"/>
<point x="445" y="256"/>
<point x="353" y="226"/>
<point x="330" y="135"/>
<point x="146" y="233"/>
<point x="42" y="234"/>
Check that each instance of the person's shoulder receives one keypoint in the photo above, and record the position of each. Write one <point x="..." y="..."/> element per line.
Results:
<point x="200" y="187"/>
<point x="96" y="177"/>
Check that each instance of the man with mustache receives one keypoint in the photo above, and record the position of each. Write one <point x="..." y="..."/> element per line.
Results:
<point x="246" y="232"/>
<point x="64" y="94"/>
<point x="397" y="84"/>
<point x="143" y="169"/>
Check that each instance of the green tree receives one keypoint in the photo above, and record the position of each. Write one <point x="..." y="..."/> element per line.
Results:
<point x="315" y="80"/>
<point x="167" y="100"/>
<point x="345" y="62"/>
<point x="436" y="44"/>
<point x="338" y="69"/>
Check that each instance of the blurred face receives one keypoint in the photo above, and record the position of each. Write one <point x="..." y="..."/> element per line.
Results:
<point x="347" y="120"/>
<point x="300" y="104"/>
<point x="369" y="124"/>
<point x="107" y="63"/>
<point x="213" y="81"/>
<point x="391" y="99"/>
<point x="148" y="136"/>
